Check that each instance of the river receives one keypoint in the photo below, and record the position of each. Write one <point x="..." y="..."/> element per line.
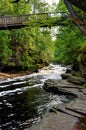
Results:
<point x="23" y="101"/>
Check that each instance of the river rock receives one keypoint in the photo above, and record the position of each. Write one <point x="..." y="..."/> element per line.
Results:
<point x="64" y="116"/>
<point x="65" y="76"/>
<point x="61" y="87"/>
<point x="76" y="80"/>
<point x="68" y="69"/>
<point x="52" y="121"/>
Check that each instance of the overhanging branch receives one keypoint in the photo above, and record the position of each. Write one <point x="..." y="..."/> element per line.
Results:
<point x="74" y="17"/>
<point x="81" y="4"/>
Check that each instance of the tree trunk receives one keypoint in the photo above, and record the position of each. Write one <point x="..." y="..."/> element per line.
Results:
<point x="74" y="17"/>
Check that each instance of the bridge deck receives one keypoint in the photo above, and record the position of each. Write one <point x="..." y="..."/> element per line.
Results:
<point x="18" y="21"/>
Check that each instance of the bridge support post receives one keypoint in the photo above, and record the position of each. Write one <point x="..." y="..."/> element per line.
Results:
<point x="5" y="21"/>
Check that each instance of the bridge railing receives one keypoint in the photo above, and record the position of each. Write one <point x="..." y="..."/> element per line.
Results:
<point x="10" y="20"/>
<point x="21" y="19"/>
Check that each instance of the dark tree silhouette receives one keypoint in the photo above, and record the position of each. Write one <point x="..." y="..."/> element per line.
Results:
<point x="15" y="1"/>
<point x="73" y="14"/>
<point x="79" y="3"/>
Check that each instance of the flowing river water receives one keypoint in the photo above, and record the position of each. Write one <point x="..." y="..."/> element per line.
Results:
<point x="23" y="101"/>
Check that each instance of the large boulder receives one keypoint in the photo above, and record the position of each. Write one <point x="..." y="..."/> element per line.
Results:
<point x="76" y="80"/>
<point x="66" y="75"/>
<point x="61" y="87"/>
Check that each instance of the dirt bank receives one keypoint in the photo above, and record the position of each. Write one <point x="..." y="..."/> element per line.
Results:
<point x="13" y="75"/>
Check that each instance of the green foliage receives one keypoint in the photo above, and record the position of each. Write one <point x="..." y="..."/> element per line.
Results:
<point x="69" y="41"/>
<point x="6" y="7"/>
<point x="61" y="6"/>
<point x="5" y="50"/>
<point x="80" y="14"/>
<point x="82" y="55"/>
<point x="84" y="85"/>
<point x="29" y="48"/>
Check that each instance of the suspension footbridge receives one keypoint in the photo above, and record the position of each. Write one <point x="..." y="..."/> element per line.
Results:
<point x="31" y="20"/>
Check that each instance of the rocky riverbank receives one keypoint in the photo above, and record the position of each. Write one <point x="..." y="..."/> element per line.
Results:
<point x="13" y="75"/>
<point x="69" y="115"/>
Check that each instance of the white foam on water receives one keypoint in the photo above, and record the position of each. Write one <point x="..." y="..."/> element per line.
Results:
<point x="50" y="72"/>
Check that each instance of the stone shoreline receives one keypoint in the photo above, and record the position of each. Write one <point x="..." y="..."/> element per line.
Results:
<point x="66" y="116"/>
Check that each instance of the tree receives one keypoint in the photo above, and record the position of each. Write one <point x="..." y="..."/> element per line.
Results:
<point x="73" y="13"/>
<point x="78" y="3"/>
<point x="71" y="43"/>
<point x="5" y="50"/>
<point x="67" y="44"/>
<point x="29" y="47"/>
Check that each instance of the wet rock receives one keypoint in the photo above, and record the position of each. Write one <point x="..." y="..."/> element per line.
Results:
<point x="78" y="106"/>
<point x="76" y="80"/>
<point x="66" y="111"/>
<point x="53" y="121"/>
<point x="66" y="115"/>
<point x="63" y="117"/>
<point x="60" y="87"/>
<point x="65" y="76"/>
<point x="68" y="70"/>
